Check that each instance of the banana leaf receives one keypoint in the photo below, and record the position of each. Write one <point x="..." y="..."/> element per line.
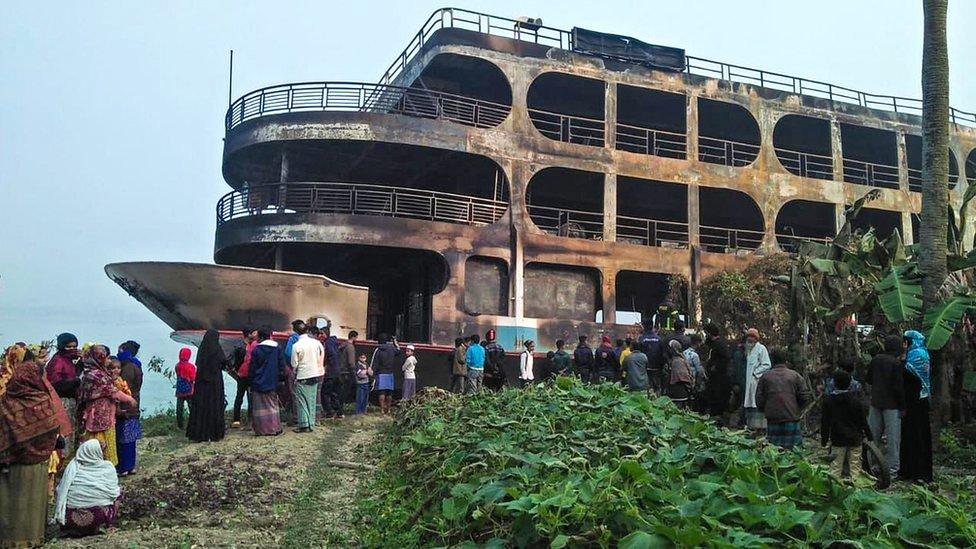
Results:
<point x="942" y="319"/>
<point x="961" y="262"/>
<point x="900" y="294"/>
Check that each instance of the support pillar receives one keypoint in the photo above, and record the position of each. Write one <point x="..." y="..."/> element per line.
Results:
<point x="691" y="128"/>
<point x="610" y="207"/>
<point x="279" y="257"/>
<point x="902" y="161"/>
<point x="837" y="150"/>
<point x="838" y="217"/>
<point x="282" y="179"/>
<point x="610" y="116"/>
<point x="906" y="228"/>
<point x="609" y="296"/>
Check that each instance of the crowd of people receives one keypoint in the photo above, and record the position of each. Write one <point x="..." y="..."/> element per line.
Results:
<point x="72" y="420"/>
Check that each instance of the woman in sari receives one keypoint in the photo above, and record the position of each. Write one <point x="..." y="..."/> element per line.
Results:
<point x="99" y="399"/>
<point x="31" y="418"/>
<point x="207" y="421"/>
<point x="129" y="428"/>
<point x="88" y="496"/>
<point x="64" y="373"/>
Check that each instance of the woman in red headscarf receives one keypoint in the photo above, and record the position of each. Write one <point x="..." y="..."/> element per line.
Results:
<point x="31" y="419"/>
<point x="98" y="399"/>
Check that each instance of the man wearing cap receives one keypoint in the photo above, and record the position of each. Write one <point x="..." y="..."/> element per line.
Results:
<point x="757" y="364"/>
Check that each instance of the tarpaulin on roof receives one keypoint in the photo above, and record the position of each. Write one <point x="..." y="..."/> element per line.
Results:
<point x="630" y="50"/>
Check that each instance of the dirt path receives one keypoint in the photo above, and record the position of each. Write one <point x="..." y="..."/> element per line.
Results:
<point x="243" y="491"/>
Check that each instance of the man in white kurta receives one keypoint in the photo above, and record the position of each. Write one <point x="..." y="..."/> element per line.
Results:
<point x="757" y="363"/>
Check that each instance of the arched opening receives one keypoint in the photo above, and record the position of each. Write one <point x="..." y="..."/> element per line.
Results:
<point x="802" y="145"/>
<point x="729" y="221"/>
<point x="651" y="121"/>
<point x="562" y="292"/>
<point x="971" y="166"/>
<point x="567" y="202"/>
<point x="727" y="133"/>
<point x="639" y="295"/>
<point x="800" y="220"/>
<point x="401" y="281"/>
<point x="652" y="213"/>
<point x="568" y="108"/>
<point x="913" y="155"/>
<point x="467" y="76"/>
<point x="870" y="156"/>
<point x="884" y="222"/>
<point x="485" y="286"/>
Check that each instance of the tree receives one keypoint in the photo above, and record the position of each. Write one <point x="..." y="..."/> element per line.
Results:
<point x="935" y="173"/>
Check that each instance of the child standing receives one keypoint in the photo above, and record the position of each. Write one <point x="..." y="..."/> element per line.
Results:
<point x="844" y="425"/>
<point x="410" y="374"/>
<point x="186" y="375"/>
<point x="363" y="373"/>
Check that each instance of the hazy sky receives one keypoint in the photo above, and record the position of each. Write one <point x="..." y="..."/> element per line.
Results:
<point x="111" y="114"/>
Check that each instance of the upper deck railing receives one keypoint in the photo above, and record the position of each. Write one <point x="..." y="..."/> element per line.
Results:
<point x="563" y="39"/>
<point x="361" y="97"/>
<point x="358" y="199"/>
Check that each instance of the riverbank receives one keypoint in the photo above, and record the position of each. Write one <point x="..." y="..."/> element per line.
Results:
<point x="243" y="491"/>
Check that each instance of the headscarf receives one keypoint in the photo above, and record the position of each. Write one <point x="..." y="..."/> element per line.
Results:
<point x="13" y="356"/>
<point x="127" y="353"/>
<point x="96" y="386"/>
<point x="64" y="339"/>
<point x="88" y="481"/>
<point x="29" y="409"/>
<point x="917" y="361"/>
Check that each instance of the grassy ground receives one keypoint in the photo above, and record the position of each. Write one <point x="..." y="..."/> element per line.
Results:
<point x="243" y="491"/>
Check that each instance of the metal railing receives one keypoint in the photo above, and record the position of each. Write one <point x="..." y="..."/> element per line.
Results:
<point x="568" y="128"/>
<point x="477" y="22"/>
<point x="729" y="153"/>
<point x="563" y="39"/>
<point x="652" y="232"/>
<point x="870" y="173"/>
<point x="726" y="240"/>
<point x="642" y="140"/>
<point x="354" y="198"/>
<point x="361" y="97"/>
<point x="915" y="180"/>
<point x="806" y="164"/>
<point x="569" y="223"/>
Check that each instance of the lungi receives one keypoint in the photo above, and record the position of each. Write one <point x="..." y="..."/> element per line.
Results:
<point x="785" y="435"/>
<point x="265" y="419"/>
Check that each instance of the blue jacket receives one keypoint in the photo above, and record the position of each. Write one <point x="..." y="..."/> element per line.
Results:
<point x="291" y="343"/>
<point x="267" y="364"/>
<point x="917" y="361"/>
<point x="475" y="357"/>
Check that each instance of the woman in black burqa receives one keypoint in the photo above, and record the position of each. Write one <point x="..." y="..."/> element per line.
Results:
<point x="207" y="421"/>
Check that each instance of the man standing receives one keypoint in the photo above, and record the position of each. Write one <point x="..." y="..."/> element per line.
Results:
<point x="694" y="362"/>
<point x="635" y="367"/>
<point x="475" y="359"/>
<point x="583" y="357"/>
<point x="286" y="390"/>
<point x="332" y="384"/>
<point x="650" y="344"/>
<point x="561" y="362"/>
<point x="347" y="359"/>
<point x="459" y="366"/>
<point x="886" y="378"/>
<point x="757" y="364"/>
<point x="494" y="362"/>
<point x="605" y="363"/>
<point x="781" y="394"/>
<point x="241" y="376"/>
<point x="307" y="357"/>
<point x="527" y="364"/>
<point x="717" y="363"/>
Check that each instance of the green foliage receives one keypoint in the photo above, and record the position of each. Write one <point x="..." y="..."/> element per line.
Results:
<point x="900" y="294"/>
<point x="570" y="465"/>
<point x="161" y="423"/>
<point x="941" y="320"/>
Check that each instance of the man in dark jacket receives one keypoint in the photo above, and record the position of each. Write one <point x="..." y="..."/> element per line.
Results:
<point x="494" y="362"/>
<point x="606" y="365"/>
<point x="650" y="343"/>
<point x="885" y="376"/>
<point x="583" y="357"/>
<point x="562" y="363"/>
<point x="718" y="362"/>
<point x="347" y="365"/>
<point x="332" y="384"/>
<point x="781" y="396"/>
<point x="844" y="425"/>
